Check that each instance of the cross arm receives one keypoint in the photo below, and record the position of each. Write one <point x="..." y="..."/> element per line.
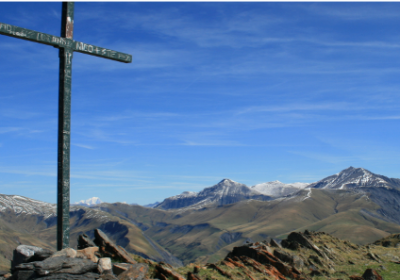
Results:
<point x="31" y="35"/>
<point x="60" y="42"/>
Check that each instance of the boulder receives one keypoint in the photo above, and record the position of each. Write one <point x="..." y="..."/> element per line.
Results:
<point x="296" y="239"/>
<point x="109" y="249"/>
<point x="104" y="266"/>
<point x="119" y="268"/>
<point x="64" y="265"/>
<point x="265" y="258"/>
<point x="84" y="242"/>
<point x="27" y="253"/>
<point x="288" y="258"/>
<point x="67" y="252"/>
<point x="275" y="244"/>
<point x="371" y="274"/>
<point x="91" y="253"/>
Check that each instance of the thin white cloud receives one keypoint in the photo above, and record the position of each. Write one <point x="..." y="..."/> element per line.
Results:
<point x="83" y="146"/>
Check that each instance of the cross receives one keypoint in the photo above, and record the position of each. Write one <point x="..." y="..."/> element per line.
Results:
<point x="66" y="46"/>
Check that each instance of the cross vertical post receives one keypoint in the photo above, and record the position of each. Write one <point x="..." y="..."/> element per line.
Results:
<point x="64" y="127"/>
<point x="67" y="46"/>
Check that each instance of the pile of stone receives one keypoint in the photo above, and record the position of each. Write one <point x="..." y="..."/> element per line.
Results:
<point x="92" y="260"/>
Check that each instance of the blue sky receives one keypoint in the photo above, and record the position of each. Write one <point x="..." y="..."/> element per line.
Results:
<point x="254" y="92"/>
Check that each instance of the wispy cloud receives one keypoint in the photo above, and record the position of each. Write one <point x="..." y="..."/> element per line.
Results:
<point x="83" y="146"/>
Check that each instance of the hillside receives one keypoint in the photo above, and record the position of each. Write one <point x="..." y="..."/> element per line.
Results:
<point x="31" y="222"/>
<point x="209" y="233"/>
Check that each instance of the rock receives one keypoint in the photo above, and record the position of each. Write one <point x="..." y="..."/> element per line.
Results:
<point x="165" y="272"/>
<point x="64" y="265"/>
<point x="66" y="276"/>
<point x="372" y="256"/>
<point x="221" y="271"/>
<point x="67" y="252"/>
<point x="192" y="276"/>
<point x="104" y="266"/>
<point x="275" y="244"/>
<point x="316" y="273"/>
<point x="109" y="249"/>
<point x="119" y="268"/>
<point x="297" y="239"/>
<point x="25" y="274"/>
<point x="136" y="271"/>
<point x="264" y="257"/>
<point x="371" y="274"/>
<point x="108" y="277"/>
<point x="84" y="242"/>
<point x="27" y="253"/>
<point x="291" y="259"/>
<point x="90" y="253"/>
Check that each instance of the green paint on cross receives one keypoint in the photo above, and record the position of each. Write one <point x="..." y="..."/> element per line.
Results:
<point x="67" y="46"/>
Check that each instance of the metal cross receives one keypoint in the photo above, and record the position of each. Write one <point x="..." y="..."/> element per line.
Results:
<point x="66" y="46"/>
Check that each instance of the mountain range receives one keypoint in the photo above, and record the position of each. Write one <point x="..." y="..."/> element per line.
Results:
<point x="354" y="204"/>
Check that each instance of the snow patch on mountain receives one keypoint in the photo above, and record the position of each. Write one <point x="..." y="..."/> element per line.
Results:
<point x="352" y="178"/>
<point x="225" y="192"/>
<point x="24" y="205"/>
<point x="89" y="202"/>
<point x="277" y="188"/>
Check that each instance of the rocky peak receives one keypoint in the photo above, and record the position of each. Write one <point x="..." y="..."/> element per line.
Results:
<point x="352" y="178"/>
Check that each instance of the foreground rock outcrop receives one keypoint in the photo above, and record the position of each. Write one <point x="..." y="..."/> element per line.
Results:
<point x="301" y="256"/>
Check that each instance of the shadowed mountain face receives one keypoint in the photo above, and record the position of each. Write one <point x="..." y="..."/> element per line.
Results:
<point x="32" y="222"/>
<point x="223" y="193"/>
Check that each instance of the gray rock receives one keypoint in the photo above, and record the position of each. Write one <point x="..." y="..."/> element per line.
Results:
<point x="288" y="258"/>
<point x="104" y="266"/>
<point x="109" y="249"/>
<point x="119" y="268"/>
<point x="28" y="253"/>
<point x="25" y="275"/>
<point x="84" y="242"/>
<point x="275" y="244"/>
<point x="64" y="265"/>
<point x="66" y="276"/>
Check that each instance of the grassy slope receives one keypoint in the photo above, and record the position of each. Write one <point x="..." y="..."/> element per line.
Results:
<point x="333" y="212"/>
<point x="32" y="230"/>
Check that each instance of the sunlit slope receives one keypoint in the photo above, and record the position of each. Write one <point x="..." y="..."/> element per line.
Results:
<point x="27" y="221"/>
<point x="209" y="233"/>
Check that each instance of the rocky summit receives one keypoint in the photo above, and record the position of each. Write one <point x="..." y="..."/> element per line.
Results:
<point x="301" y="256"/>
<point x="223" y="193"/>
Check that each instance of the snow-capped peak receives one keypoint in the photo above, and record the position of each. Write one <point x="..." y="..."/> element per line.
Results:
<point x="277" y="188"/>
<point x="89" y="202"/>
<point x="355" y="178"/>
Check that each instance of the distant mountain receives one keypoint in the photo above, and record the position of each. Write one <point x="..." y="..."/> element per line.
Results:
<point x="277" y="188"/>
<point x="223" y="193"/>
<point x="151" y="205"/>
<point x="32" y="222"/>
<point x="356" y="178"/>
<point x="89" y="202"/>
